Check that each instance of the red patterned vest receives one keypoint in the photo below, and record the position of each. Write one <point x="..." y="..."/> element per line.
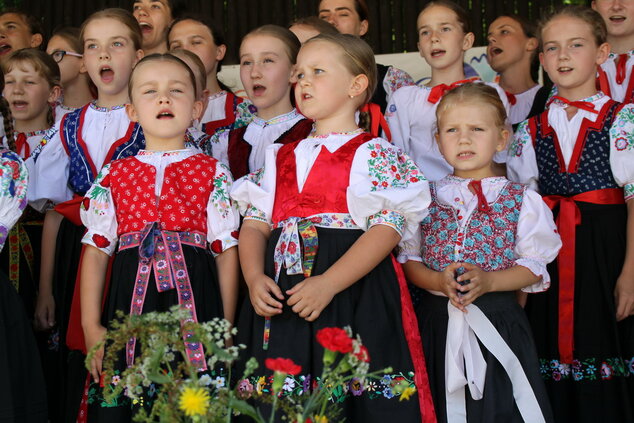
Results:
<point x="182" y="204"/>
<point x="326" y="186"/>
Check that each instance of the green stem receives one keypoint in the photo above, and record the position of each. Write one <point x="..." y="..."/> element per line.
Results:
<point x="274" y="406"/>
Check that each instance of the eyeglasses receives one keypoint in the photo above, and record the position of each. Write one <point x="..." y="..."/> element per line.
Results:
<point x="58" y="55"/>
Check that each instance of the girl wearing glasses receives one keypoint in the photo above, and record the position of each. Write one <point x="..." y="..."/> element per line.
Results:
<point x="66" y="49"/>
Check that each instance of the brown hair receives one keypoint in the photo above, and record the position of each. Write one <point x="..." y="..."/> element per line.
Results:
<point x="43" y="64"/>
<point x="530" y="31"/>
<point x="199" y="67"/>
<point x="585" y="14"/>
<point x="163" y="57"/>
<point x="34" y="24"/>
<point x="289" y="39"/>
<point x="317" y="24"/>
<point x="461" y="14"/>
<point x="474" y="92"/>
<point x="72" y="36"/>
<point x="120" y="15"/>
<point x="361" y="7"/>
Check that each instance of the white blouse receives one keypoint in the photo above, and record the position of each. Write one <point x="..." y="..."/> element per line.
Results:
<point x="60" y="111"/>
<point x="13" y="188"/>
<point x="215" y="110"/>
<point x="259" y="134"/>
<point x="618" y="91"/>
<point x="537" y="242"/>
<point x="223" y="218"/>
<point x="522" y="162"/>
<point x="412" y="121"/>
<point x="523" y="105"/>
<point x="382" y="179"/>
<point x="33" y="139"/>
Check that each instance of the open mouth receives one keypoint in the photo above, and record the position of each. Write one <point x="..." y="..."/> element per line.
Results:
<point x="564" y="69"/>
<point x="617" y="18"/>
<point x="5" y="49"/>
<point x="466" y="155"/>
<point x="106" y="73"/>
<point x="437" y="53"/>
<point x="165" y="114"/>
<point x="306" y="96"/>
<point x="19" y="105"/>
<point x="146" y="28"/>
<point x="258" y="90"/>
<point x="494" y="51"/>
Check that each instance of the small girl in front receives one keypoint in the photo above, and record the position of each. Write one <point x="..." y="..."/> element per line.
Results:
<point x="484" y="238"/>
<point x="444" y="36"/>
<point x="199" y="241"/>
<point x="578" y="154"/>
<point x="267" y="59"/>
<point x="352" y="197"/>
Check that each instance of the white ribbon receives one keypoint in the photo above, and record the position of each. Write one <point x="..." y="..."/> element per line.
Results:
<point x="462" y="350"/>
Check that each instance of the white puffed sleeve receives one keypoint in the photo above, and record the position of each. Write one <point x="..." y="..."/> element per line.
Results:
<point x="223" y="219"/>
<point x="399" y="115"/>
<point x="622" y="149"/>
<point x="217" y="146"/>
<point x="98" y="214"/>
<point x="255" y="193"/>
<point x="13" y="190"/>
<point x="537" y="242"/>
<point x="521" y="164"/>
<point x="502" y="156"/>
<point x="386" y="188"/>
<point x="48" y="168"/>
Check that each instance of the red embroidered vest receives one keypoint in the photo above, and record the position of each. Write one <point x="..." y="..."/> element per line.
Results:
<point x="326" y="186"/>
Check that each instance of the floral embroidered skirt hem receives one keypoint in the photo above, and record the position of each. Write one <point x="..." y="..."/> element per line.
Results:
<point x="599" y="383"/>
<point x="371" y="307"/>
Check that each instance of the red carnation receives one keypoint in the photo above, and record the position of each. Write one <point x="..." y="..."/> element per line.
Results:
<point x="86" y="203"/>
<point x="335" y="339"/>
<point x="216" y="246"/>
<point x="282" y="365"/>
<point x="363" y="354"/>
<point x="100" y="241"/>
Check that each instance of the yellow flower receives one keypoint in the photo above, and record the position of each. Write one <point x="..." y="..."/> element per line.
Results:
<point x="407" y="392"/>
<point x="320" y="419"/>
<point x="194" y="401"/>
<point x="260" y="385"/>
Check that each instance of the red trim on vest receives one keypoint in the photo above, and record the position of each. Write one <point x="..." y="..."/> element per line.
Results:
<point x="62" y="132"/>
<point x="211" y="127"/>
<point x="629" y="92"/>
<point x="118" y="143"/>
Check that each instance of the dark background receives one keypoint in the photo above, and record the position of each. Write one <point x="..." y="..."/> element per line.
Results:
<point x="392" y="22"/>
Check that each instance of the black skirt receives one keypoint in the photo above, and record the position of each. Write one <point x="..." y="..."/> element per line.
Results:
<point x="371" y="307"/>
<point x="508" y="318"/>
<point x="599" y="385"/>
<point x="203" y="277"/>
<point x="22" y="388"/>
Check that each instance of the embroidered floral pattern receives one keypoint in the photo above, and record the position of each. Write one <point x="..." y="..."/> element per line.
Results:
<point x="396" y="78"/>
<point x="628" y="191"/>
<point x="589" y="369"/>
<point x="389" y="168"/>
<point x="521" y="138"/>
<point x="622" y="130"/>
<point x="391" y="218"/>
<point x="222" y="186"/>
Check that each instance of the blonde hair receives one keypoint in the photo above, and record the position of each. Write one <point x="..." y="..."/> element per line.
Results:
<point x="587" y="15"/>
<point x="198" y="67"/>
<point x="291" y="42"/>
<point x="163" y="57"/>
<point x="121" y="15"/>
<point x="474" y="93"/>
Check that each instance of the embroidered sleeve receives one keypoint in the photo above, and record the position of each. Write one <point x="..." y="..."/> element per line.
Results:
<point x="521" y="164"/>
<point x="397" y="115"/>
<point x="13" y="189"/>
<point x="387" y="188"/>
<point x="537" y="242"/>
<point x="223" y="219"/>
<point x="98" y="214"/>
<point x="396" y="78"/>
<point x="216" y="146"/>
<point x="622" y="149"/>
<point x="244" y="114"/>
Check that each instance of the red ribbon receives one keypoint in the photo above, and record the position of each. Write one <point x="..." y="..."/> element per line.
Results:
<point x="583" y="105"/>
<point x="621" y="70"/>
<point x="22" y="144"/>
<point x="376" y="119"/>
<point x="70" y="209"/>
<point x="511" y="97"/>
<point x="476" y="188"/>
<point x="568" y="218"/>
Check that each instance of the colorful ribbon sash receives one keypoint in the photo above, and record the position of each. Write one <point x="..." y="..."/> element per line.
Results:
<point x="19" y="239"/>
<point x="162" y="251"/>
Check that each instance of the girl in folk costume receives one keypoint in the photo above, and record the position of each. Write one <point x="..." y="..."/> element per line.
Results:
<point x="484" y="238"/>
<point x="22" y="384"/>
<point x="578" y="154"/>
<point x="155" y="18"/>
<point x="351" y="197"/>
<point x="183" y="182"/>
<point x="222" y="110"/>
<point x="65" y="165"/>
<point x="66" y="48"/>
<point x="512" y="53"/>
<point x="31" y="85"/>
<point x="267" y="58"/>
<point x="615" y="74"/>
<point x="443" y="38"/>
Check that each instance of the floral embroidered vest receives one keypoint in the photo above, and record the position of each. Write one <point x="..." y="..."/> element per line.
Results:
<point x="589" y="167"/>
<point x="182" y="205"/>
<point x="487" y="239"/>
<point x="82" y="170"/>
<point x="325" y="189"/>
<point x="239" y="150"/>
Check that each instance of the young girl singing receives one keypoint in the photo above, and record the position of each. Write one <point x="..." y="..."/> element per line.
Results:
<point x="578" y="155"/>
<point x="65" y="47"/>
<point x="155" y="18"/>
<point x="484" y="238"/>
<point x="65" y="165"/>
<point x="267" y="58"/>
<point x="223" y="110"/>
<point x="353" y="197"/>
<point x="202" y="235"/>
<point x="615" y="74"/>
<point x="443" y="38"/>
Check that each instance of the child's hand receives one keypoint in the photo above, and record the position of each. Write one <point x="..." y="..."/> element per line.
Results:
<point x="479" y="283"/>
<point x="449" y="286"/>
<point x="93" y="336"/>
<point x="624" y="297"/>
<point x="262" y="293"/>
<point x="44" y="312"/>
<point x="309" y="297"/>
